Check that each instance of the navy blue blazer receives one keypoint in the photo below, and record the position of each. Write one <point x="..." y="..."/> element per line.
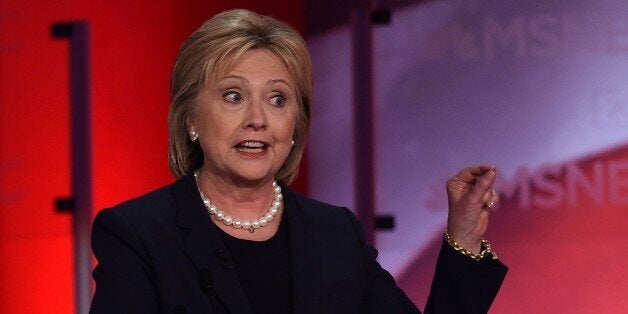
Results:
<point x="161" y="253"/>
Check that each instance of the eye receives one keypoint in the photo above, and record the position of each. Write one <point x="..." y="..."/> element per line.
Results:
<point x="278" y="101"/>
<point x="232" y="97"/>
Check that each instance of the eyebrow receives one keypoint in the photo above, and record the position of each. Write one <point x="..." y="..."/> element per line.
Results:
<point x="245" y="81"/>
<point x="237" y="77"/>
<point x="279" y="81"/>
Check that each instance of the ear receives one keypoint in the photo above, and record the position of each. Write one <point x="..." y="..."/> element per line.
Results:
<point x="191" y="129"/>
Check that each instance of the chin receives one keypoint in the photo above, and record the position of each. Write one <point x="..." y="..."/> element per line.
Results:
<point x="255" y="172"/>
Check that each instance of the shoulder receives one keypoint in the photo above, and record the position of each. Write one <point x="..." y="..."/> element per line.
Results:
<point x="150" y="201"/>
<point x="155" y="207"/>
<point x="313" y="207"/>
<point x="310" y="203"/>
<point x="323" y="216"/>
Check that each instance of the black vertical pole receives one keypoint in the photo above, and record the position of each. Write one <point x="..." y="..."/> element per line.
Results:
<point x="78" y="34"/>
<point x="363" y="117"/>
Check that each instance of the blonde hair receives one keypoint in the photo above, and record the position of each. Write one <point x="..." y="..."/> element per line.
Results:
<point x="216" y="46"/>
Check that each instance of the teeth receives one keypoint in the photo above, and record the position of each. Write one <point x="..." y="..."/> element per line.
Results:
<point x="253" y="144"/>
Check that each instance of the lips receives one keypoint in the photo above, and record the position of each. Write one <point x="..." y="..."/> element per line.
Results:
<point x="251" y="148"/>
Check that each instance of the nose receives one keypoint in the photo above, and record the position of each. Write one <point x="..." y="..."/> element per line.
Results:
<point x="255" y="118"/>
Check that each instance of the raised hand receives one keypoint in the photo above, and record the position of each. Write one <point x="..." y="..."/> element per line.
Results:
<point x="470" y="196"/>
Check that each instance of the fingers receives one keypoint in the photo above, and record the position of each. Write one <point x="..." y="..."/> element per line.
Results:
<point x="470" y="174"/>
<point x="490" y="198"/>
<point x="481" y="169"/>
<point x="483" y="183"/>
<point x="471" y="189"/>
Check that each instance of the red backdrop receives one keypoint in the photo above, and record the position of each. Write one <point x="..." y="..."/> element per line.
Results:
<point x="132" y="50"/>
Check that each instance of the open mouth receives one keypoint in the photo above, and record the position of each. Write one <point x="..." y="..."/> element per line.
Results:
<point x="251" y="147"/>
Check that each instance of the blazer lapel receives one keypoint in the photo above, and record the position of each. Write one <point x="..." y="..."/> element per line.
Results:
<point x="202" y="244"/>
<point x="304" y="257"/>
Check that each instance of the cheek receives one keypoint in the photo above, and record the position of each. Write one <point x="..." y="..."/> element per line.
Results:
<point x="283" y="126"/>
<point x="220" y="127"/>
<point x="289" y="131"/>
<point x="291" y="125"/>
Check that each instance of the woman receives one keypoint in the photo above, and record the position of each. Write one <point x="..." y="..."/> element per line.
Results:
<point x="228" y="237"/>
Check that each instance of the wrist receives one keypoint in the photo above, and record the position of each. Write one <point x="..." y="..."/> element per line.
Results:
<point x="470" y="241"/>
<point x="485" y="249"/>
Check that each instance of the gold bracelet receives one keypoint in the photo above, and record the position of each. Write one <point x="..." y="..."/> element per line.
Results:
<point x="484" y="252"/>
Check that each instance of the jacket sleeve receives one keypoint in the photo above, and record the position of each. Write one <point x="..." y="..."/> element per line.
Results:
<point x="464" y="285"/>
<point x="123" y="274"/>
<point x="460" y="285"/>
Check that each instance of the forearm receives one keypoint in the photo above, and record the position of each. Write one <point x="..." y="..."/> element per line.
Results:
<point x="464" y="285"/>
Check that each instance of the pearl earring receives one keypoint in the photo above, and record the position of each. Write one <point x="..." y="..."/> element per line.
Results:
<point x="292" y="143"/>
<point x="193" y="136"/>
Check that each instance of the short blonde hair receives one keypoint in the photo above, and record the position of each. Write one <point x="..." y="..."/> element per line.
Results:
<point x="216" y="46"/>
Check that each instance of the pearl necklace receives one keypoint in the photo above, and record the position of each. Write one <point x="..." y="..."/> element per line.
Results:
<point x="219" y="215"/>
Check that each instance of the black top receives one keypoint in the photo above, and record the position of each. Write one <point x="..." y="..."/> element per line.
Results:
<point x="263" y="268"/>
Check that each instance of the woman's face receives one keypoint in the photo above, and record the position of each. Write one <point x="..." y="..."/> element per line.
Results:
<point x="246" y="118"/>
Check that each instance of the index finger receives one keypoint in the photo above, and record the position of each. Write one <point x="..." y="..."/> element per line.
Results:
<point x="471" y="173"/>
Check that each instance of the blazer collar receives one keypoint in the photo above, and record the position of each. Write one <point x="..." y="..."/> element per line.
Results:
<point x="203" y="246"/>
